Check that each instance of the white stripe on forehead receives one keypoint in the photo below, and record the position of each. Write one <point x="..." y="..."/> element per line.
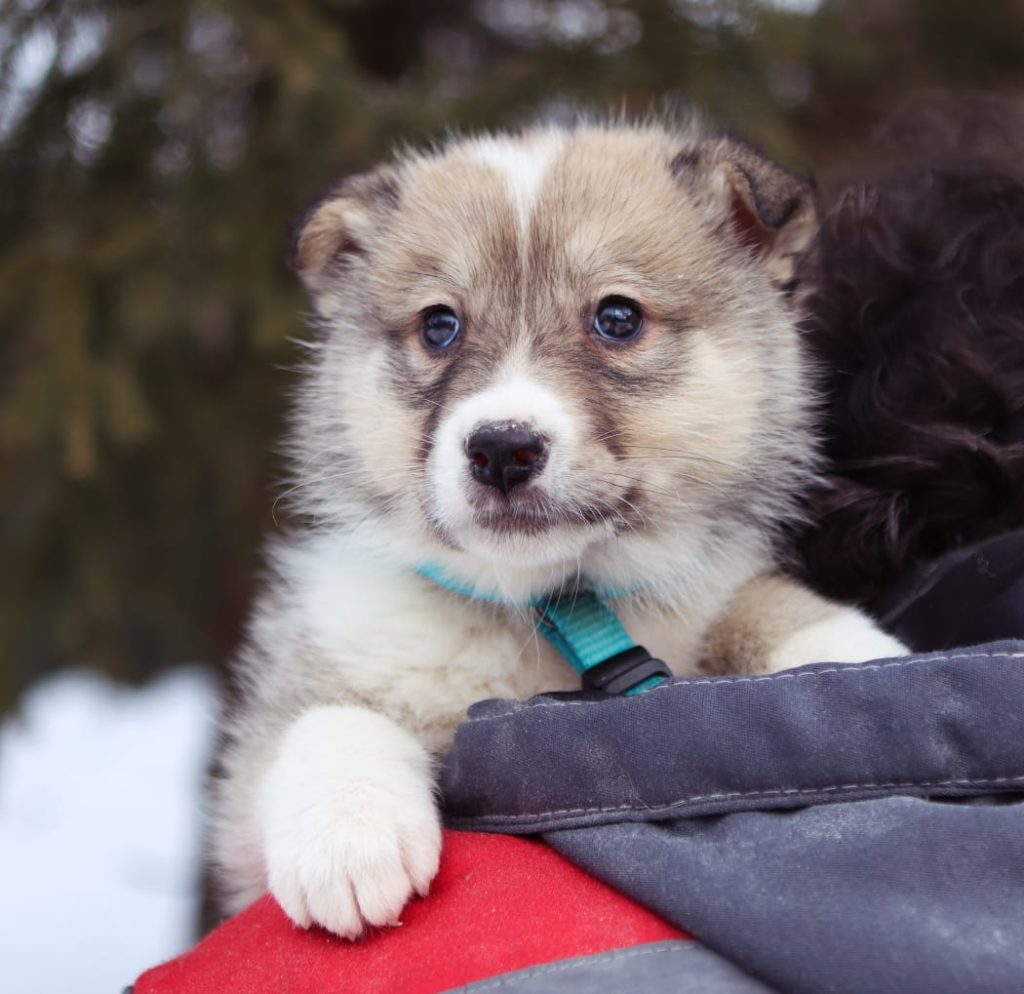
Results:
<point x="523" y="162"/>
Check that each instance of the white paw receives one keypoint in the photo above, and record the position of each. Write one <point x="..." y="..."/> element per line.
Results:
<point x="847" y="637"/>
<point x="350" y="828"/>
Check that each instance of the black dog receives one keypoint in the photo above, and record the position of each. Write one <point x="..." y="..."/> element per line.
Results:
<point x="917" y="319"/>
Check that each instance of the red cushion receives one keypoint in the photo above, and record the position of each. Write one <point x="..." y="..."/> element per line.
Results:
<point x="498" y="904"/>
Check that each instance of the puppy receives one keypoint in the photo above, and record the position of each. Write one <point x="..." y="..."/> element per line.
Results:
<point x="557" y="360"/>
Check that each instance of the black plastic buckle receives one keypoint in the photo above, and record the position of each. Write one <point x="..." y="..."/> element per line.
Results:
<point x="622" y="672"/>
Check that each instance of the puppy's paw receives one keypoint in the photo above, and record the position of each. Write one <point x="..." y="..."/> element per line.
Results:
<point x="350" y="828"/>
<point x="846" y="637"/>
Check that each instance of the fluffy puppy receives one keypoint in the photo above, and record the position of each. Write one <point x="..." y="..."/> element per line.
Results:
<point x="560" y="359"/>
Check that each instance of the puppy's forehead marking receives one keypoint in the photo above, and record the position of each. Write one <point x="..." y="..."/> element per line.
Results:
<point x="524" y="162"/>
<point x="524" y="231"/>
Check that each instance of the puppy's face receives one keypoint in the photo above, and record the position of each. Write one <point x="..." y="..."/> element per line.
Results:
<point x="535" y="346"/>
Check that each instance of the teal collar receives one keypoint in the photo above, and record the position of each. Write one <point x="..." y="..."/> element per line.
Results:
<point x="585" y="631"/>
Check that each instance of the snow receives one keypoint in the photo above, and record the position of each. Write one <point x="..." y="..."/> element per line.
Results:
<point x="100" y="829"/>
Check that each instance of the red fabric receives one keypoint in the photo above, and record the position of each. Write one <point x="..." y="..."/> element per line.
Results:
<point x="498" y="904"/>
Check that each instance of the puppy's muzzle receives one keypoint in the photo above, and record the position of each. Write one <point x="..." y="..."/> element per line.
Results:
<point x="505" y="456"/>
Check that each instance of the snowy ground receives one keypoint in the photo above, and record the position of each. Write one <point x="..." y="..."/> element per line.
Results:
<point x="100" y="792"/>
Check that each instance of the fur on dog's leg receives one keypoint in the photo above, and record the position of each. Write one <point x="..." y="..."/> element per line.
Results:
<point x="349" y="823"/>
<point x="774" y="623"/>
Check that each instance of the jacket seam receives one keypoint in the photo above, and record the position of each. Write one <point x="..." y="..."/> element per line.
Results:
<point x="686" y="684"/>
<point x="778" y="792"/>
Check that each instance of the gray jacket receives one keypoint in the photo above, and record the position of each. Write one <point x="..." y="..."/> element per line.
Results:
<point x="834" y="828"/>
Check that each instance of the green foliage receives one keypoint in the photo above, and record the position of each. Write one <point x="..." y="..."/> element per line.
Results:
<point x="151" y="157"/>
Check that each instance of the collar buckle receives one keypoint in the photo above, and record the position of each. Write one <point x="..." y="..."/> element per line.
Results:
<point x="629" y="672"/>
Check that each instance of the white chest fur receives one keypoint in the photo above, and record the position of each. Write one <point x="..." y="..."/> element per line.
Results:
<point x="422" y="654"/>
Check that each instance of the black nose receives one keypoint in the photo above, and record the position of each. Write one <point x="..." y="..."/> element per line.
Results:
<point x="504" y="456"/>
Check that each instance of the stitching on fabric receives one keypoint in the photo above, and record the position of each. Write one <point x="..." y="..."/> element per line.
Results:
<point x="771" y="677"/>
<point x="677" y="946"/>
<point x="779" y="792"/>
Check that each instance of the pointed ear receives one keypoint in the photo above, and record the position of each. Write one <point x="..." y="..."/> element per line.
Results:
<point x="341" y="225"/>
<point x="769" y="211"/>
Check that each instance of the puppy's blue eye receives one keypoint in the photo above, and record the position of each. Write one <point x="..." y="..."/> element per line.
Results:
<point x="618" y="319"/>
<point x="440" y="327"/>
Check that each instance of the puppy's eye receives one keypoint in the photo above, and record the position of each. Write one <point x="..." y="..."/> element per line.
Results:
<point x="618" y="319"/>
<point x="440" y="328"/>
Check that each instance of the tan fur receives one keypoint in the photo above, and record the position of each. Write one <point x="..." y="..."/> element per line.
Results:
<point x="764" y="613"/>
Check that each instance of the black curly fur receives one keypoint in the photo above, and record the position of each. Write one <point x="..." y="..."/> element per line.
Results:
<point x="917" y="321"/>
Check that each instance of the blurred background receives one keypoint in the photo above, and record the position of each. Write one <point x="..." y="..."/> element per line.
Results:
<point x="152" y="156"/>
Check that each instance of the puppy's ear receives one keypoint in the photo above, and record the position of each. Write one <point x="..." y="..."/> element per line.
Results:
<point x="768" y="210"/>
<point x="341" y="225"/>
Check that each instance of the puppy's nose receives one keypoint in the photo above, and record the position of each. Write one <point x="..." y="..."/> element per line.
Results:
<point x="505" y="456"/>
